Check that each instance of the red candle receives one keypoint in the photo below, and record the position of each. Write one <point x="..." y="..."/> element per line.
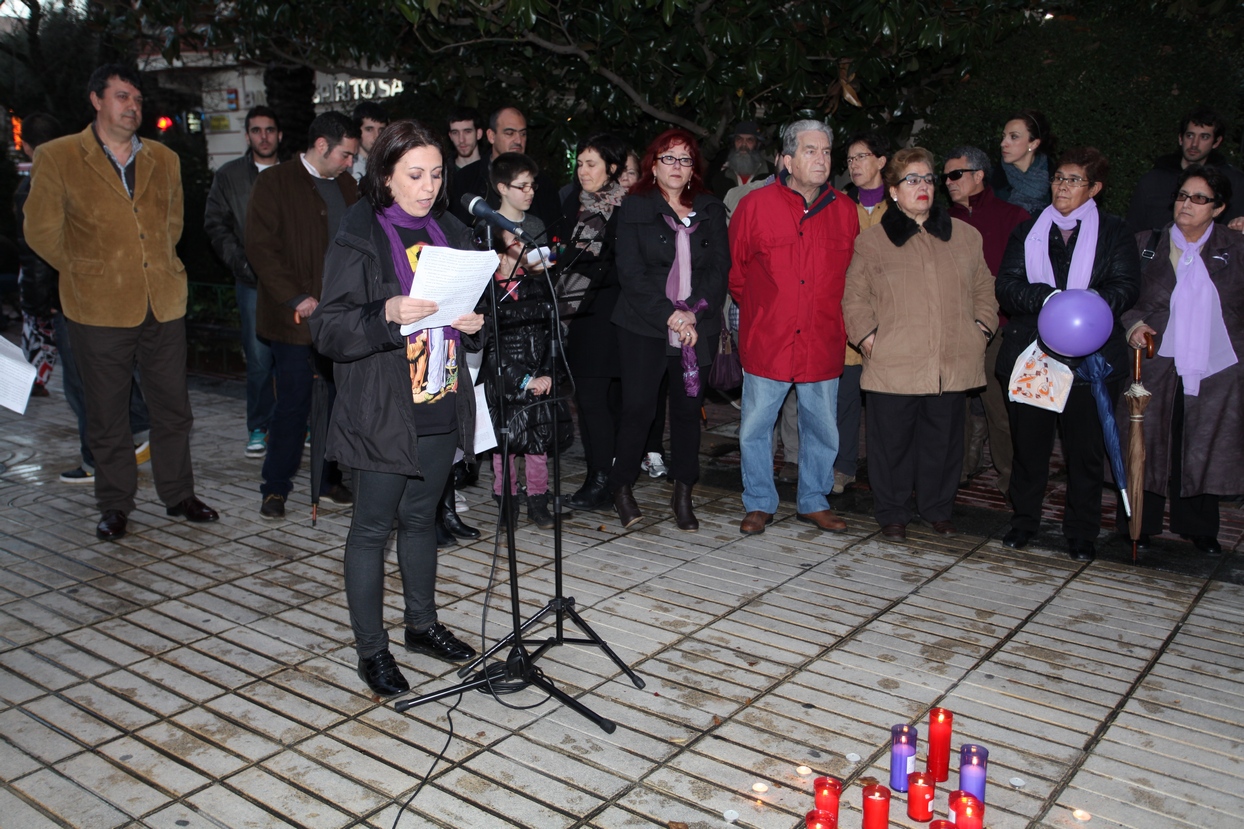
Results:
<point x="921" y="789"/>
<point x="827" y="791"/>
<point x="877" y="807"/>
<point x="966" y="812"/>
<point x="942" y="824"/>
<point x="820" y="819"/>
<point x="940" y="721"/>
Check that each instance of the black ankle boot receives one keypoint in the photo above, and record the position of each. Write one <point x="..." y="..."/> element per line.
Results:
<point x="538" y="511"/>
<point x="447" y="514"/>
<point x="594" y="494"/>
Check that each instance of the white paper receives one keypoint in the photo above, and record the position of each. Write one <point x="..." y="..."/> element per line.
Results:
<point x="453" y="279"/>
<point x="485" y="438"/>
<point x="17" y="377"/>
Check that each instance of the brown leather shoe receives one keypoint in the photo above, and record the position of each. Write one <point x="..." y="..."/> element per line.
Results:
<point x="754" y="522"/>
<point x="896" y="532"/>
<point x="825" y="519"/>
<point x="624" y="503"/>
<point x="193" y="510"/>
<point x="944" y="528"/>
<point x="111" y="525"/>
<point x="684" y="518"/>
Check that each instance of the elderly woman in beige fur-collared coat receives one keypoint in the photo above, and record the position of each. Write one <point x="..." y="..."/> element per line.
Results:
<point x="919" y="304"/>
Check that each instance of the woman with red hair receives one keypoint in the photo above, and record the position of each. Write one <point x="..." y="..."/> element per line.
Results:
<point x="673" y="263"/>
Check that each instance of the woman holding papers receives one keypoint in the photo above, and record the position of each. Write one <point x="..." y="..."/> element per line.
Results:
<point x="400" y="412"/>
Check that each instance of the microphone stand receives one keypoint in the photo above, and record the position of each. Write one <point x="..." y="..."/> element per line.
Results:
<point x="520" y="665"/>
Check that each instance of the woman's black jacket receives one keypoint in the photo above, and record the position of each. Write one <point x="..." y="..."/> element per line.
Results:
<point x="1115" y="276"/>
<point x="373" y="421"/>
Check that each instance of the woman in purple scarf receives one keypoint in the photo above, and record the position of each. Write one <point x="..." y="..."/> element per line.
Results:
<point x="401" y="413"/>
<point x="1192" y="304"/>
<point x="673" y="265"/>
<point x="1069" y="244"/>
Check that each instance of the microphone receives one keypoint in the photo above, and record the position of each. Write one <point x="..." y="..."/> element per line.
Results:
<point x="477" y="207"/>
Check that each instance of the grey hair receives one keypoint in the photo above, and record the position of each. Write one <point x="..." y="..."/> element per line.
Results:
<point x="975" y="157"/>
<point x="790" y="135"/>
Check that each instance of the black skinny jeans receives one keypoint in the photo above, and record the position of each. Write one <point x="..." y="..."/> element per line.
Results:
<point x="378" y="497"/>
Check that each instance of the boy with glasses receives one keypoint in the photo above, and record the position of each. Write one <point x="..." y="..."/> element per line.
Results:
<point x="513" y="176"/>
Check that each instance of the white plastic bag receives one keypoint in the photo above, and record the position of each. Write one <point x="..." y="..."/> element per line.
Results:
<point x="1039" y="380"/>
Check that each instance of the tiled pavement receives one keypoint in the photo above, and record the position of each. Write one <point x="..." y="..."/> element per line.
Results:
<point x="204" y="676"/>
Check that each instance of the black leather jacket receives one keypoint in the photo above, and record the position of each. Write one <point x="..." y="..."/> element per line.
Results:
<point x="224" y="218"/>
<point x="1115" y="276"/>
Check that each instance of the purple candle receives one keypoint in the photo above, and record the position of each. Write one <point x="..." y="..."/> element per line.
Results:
<point x="902" y="755"/>
<point x="973" y="762"/>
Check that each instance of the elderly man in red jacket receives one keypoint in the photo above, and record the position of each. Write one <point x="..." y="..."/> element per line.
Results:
<point x="790" y="244"/>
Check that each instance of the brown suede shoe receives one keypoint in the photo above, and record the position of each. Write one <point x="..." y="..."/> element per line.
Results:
<point x="754" y="522"/>
<point x="680" y="503"/>
<point x="825" y="519"/>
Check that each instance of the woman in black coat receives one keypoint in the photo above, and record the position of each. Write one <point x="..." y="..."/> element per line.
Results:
<point x="663" y="309"/>
<point x="400" y="412"/>
<point x="587" y="290"/>
<point x="1031" y="272"/>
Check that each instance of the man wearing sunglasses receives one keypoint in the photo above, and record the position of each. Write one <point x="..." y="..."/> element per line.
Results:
<point x="966" y="176"/>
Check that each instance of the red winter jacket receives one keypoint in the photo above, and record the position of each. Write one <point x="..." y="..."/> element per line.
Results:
<point x="788" y="267"/>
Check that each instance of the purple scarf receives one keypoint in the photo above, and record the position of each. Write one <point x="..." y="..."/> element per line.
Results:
<point x="1037" y="245"/>
<point x="677" y="289"/>
<point x="1196" y="336"/>
<point x="391" y="218"/>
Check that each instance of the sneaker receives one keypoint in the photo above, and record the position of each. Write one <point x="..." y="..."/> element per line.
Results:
<point x="306" y="442"/>
<point x="654" y="465"/>
<point x="841" y="481"/>
<point x="338" y="494"/>
<point x="77" y="476"/>
<point x="273" y="506"/>
<point x="142" y="452"/>
<point x="257" y="444"/>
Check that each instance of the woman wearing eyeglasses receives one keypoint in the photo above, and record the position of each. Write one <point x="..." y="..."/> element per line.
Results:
<point x="1192" y="304"/>
<point x="1070" y="244"/>
<point x="919" y="304"/>
<point x="673" y="262"/>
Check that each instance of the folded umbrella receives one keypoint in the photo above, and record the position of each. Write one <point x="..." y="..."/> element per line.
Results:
<point x="1137" y="398"/>
<point x="1095" y="370"/>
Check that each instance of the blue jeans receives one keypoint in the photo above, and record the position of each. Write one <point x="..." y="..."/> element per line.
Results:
<point x="260" y="391"/>
<point x="75" y="396"/>
<point x="818" y="441"/>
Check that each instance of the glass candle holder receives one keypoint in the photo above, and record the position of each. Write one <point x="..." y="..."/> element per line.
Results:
<point x="942" y="824"/>
<point x="827" y="791"/>
<point x="820" y="819"/>
<point x="966" y="812"/>
<point x="876" y="807"/>
<point x="902" y="755"/>
<point x="921" y="789"/>
<point x="940" y="723"/>
<point x="973" y="766"/>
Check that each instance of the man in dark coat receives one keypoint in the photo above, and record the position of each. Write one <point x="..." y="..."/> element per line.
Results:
<point x="966" y="173"/>
<point x="224" y="220"/>
<point x="293" y="214"/>
<point x="1200" y="133"/>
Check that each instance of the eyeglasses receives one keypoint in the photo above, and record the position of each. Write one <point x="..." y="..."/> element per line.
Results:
<point x="858" y="158"/>
<point x="955" y="175"/>
<point x="673" y="160"/>
<point x="911" y="179"/>
<point x="1074" y="181"/>
<point x="527" y="187"/>
<point x="1195" y="198"/>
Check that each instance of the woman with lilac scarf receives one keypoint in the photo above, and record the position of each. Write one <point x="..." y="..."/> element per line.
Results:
<point x="1069" y="244"/>
<point x="1192" y="304"/>
<point x="400" y="413"/>
<point x="673" y="265"/>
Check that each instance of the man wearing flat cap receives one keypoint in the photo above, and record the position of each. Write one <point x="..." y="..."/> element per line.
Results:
<point x="744" y="162"/>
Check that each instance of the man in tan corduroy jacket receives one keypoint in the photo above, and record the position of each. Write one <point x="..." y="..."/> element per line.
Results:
<point x="105" y="209"/>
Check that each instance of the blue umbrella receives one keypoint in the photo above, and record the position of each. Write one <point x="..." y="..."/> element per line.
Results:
<point x="1095" y="369"/>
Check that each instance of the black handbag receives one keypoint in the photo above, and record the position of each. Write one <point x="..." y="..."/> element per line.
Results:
<point x="726" y="373"/>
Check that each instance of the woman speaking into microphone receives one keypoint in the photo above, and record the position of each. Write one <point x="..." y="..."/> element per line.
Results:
<point x="400" y="413"/>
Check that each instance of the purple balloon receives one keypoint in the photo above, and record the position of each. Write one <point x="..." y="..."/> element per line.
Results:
<point x="1075" y="323"/>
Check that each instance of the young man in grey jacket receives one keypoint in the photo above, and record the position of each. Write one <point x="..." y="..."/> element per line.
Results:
<point x="225" y="222"/>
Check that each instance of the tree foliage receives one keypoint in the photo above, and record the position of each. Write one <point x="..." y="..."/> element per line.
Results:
<point x="1117" y="75"/>
<point x="633" y="66"/>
